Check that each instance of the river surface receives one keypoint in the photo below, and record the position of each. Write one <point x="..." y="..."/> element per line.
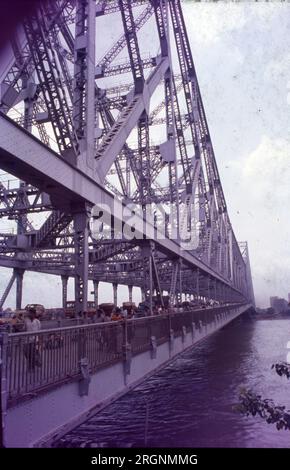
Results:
<point x="190" y="402"/>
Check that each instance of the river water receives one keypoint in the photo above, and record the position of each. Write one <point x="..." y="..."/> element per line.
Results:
<point x="190" y="402"/>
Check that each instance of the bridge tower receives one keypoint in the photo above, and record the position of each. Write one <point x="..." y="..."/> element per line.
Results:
<point x="102" y="126"/>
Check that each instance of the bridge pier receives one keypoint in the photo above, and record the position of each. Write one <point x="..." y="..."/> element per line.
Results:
<point x="96" y="293"/>
<point x="208" y="288"/>
<point x="147" y="275"/>
<point x="217" y="291"/>
<point x="179" y="293"/>
<point x="81" y="229"/>
<point x="115" y="293"/>
<point x="213" y="290"/>
<point x="142" y="294"/>
<point x="19" y="287"/>
<point x="64" y="281"/>
<point x="130" y="289"/>
<point x="197" y="282"/>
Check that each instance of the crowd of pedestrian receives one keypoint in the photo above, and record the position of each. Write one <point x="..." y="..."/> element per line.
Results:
<point x="118" y="313"/>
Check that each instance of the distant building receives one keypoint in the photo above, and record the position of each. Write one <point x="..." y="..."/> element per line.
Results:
<point x="263" y="311"/>
<point x="272" y="301"/>
<point x="278" y="304"/>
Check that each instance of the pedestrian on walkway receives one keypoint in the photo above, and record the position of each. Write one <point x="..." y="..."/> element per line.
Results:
<point x="31" y="348"/>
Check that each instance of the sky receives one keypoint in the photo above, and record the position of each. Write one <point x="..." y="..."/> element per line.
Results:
<point x="242" y="58"/>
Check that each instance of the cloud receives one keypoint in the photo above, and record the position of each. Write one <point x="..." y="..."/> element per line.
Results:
<point x="267" y="170"/>
<point x="263" y="196"/>
<point x="278" y="69"/>
<point x="207" y="24"/>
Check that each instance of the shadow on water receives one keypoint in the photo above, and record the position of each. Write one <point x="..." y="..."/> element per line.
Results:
<point x="189" y="403"/>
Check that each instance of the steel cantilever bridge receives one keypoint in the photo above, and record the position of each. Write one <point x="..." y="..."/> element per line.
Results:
<point x="100" y="104"/>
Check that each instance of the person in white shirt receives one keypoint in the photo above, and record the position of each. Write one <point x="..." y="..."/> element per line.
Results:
<point x="31" y="349"/>
<point x="32" y="324"/>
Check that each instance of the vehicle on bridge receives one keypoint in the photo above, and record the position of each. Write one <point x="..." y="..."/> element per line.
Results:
<point x="40" y="310"/>
<point x="70" y="309"/>
<point x="130" y="307"/>
<point x="108" y="308"/>
<point x="15" y="320"/>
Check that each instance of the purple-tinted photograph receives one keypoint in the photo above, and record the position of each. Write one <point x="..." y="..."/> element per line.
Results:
<point x="144" y="228"/>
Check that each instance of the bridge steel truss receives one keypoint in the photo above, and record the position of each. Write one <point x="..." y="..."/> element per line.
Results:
<point x="79" y="129"/>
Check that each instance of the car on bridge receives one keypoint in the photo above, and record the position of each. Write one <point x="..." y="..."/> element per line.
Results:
<point x="39" y="309"/>
<point x="70" y="309"/>
<point x="130" y="307"/>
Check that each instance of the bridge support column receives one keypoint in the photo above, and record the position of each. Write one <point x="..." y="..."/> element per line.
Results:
<point x="218" y="291"/>
<point x="208" y="288"/>
<point x="22" y="219"/>
<point x="84" y="114"/>
<point x="197" y="283"/>
<point x="221" y="293"/>
<point x="147" y="288"/>
<point x="115" y="293"/>
<point x="179" y="281"/>
<point x="81" y="228"/>
<point x="229" y="294"/>
<point x="130" y="289"/>
<point x="142" y="294"/>
<point x="96" y="293"/>
<point x="64" y="281"/>
<point x="154" y="277"/>
<point x="19" y="287"/>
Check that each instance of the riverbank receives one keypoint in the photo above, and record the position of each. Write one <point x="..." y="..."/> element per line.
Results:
<point x="277" y="316"/>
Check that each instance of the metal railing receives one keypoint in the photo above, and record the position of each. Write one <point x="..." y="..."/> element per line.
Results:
<point x="37" y="362"/>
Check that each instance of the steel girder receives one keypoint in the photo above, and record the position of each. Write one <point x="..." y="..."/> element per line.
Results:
<point x="67" y="185"/>
<point x="43" y="55"/>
